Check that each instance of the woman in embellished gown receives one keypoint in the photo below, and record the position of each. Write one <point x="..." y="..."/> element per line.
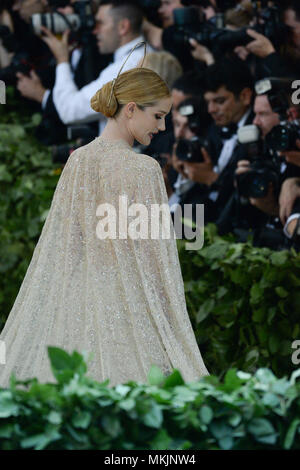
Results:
<point x="93" y="286"/>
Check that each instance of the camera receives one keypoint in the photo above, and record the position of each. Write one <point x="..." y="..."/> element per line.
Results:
<point x="79" y="22"/>
<point x="284" y="136"/>
<point x="20" y="62"/>
<point x="218" y="39"/>
<point x="265" y="168"/>
<point x="83" y="134"/>
<point x="195" y="110"/>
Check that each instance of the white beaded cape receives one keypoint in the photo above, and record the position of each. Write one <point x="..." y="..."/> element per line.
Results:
<point x="120" y="299"/>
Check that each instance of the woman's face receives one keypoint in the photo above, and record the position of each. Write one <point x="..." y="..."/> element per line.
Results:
<point x="143" y="124"/>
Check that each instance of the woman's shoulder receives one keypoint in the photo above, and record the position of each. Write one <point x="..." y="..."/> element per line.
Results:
<point x="147" y="161"/>
<point x="116" y="154"/>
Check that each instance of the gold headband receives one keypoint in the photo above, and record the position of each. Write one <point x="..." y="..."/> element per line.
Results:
<point x="115" y="79"/>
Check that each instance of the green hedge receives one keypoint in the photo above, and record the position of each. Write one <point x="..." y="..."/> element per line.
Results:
<point x="243" y="411"/>
<point x="27" y="182"/>
<point x="244" y="303"/>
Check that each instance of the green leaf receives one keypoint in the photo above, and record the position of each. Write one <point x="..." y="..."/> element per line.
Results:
<point x="269" y="399"/>
<point x="281" y="292"/>
<point x="226" y="443"/>
<point x="7" y="405"/>
<point x="173" y="380"/>
<point x="290" y="435"/>
<point x="232" y="381"/>
<point x="54" y="417"/>
<point x="274" y="343"/>
<point x="206" y="414"/>
<point x="127" y="404"/>
<point x="122" y="389"/>
<point x="256" y="294"/>
<point x="6" y="430"/>
<point x="262" y="430"/>
<point x="81" y="419"/>
<point x="205" y="309"/>
<point x="161" y="441"/>
<point x="154" y="417"/>
<point x="155" y="376"/>
<point x="4" y="174"/>
<point x="111" y="425"/>
<point x="279" y="258"/>
<point x="235" y="419"/>
<point x="220" y="430"/>
<point x="41" y="441"/>
<point x="65" y="365"/>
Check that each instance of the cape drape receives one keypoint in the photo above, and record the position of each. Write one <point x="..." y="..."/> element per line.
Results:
<point x="120" y="299"/>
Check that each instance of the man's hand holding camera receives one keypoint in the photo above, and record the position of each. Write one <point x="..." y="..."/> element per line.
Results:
<point x="261" y="46"/>
<point x="200" y="52"/>
<point x="267" y="204"/>
<point x="290" y="191"/>
<point x="201" y="172"/>
<point x="292" y="156"/>
<point x="30" y="87"/>
<point x="60" y="48"/>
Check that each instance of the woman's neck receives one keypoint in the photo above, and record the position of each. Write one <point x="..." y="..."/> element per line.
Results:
<point x="113" y="131"/>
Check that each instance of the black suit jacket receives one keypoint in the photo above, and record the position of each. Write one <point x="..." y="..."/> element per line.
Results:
<point x="52" y="130"/>
<point x="224" y="185"/>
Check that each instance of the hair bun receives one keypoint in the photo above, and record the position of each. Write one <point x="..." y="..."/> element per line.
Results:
<point x="99" y="102"/>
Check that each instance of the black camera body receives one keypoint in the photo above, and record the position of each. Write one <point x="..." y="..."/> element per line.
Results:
<point x="195" y="110"/>
<point x="83" y="134"/>
<point x="265" y="166"/>
<point x="21" y="62"/>
<point x="216" y="37"/>
<point x="255" y="183"/>
<point x="190" y="150"/>
<point x="284" y="136"/>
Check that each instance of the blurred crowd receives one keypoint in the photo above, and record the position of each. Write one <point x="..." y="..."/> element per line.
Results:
<point x="232" y="139"/>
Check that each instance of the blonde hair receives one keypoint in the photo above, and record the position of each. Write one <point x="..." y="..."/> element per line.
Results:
<point x="165" y="64"/>
<point x="141" y="85"/>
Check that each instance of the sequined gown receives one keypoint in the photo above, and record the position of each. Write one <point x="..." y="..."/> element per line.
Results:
<point x="120" y="299"/>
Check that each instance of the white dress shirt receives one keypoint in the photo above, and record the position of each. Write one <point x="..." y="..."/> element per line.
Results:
<point x="75" y="57"/>
<point x="226" y="153"/>
<point x="73" y="105"/>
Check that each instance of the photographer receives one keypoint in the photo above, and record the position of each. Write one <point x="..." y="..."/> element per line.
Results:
<point x="277" y="56"/>
<point x="29" y="51"/>
<point x="265" y="37"/>
<point x="190" y="122"/>
<point x="228" y="94"/>
<point x="31" y="69"/>
<point x="268" y="120"/>
<point x="118" y="30"/>
<point x="86" y="63"/>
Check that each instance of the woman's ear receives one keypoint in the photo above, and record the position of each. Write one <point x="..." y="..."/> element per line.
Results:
<point x="130" y="108"/>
